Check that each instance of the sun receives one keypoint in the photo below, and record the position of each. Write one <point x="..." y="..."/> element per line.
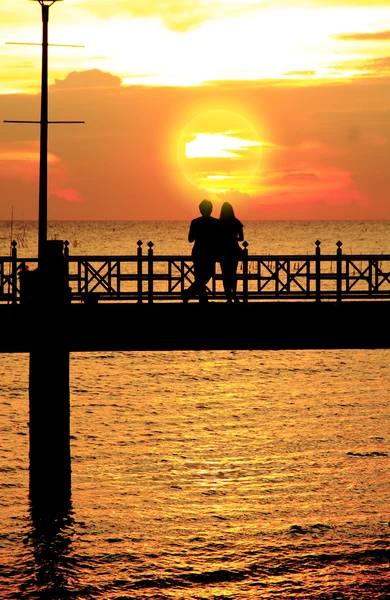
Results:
<point x="219" y="151"/>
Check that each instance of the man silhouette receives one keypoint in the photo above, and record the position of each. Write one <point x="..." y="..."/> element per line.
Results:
<point x="204" y="234"/>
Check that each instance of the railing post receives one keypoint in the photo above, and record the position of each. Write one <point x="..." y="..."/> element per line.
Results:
<point x="318" y="271"/>
<point x="66" y="256"/>
<point x="118" y="278"/>
<point x="14" y="271"/>
<point x="109" y="273"/>
<point x="287" y="286"/>
<point x="339" y="272"/>
<point x="150" y="272"/>
<point x="277" y="263"/>
<point x="245" y="272"/>
<point x="86" y="275"/>
<point x="182" y="278"/>
<point x="139" y="272"/>
<point x="370" y="284"/>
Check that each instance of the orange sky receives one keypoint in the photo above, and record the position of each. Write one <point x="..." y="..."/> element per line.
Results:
<point x="283" y="110"/>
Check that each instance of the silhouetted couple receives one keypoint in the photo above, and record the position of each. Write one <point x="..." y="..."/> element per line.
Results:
<point x="214" y="240"/>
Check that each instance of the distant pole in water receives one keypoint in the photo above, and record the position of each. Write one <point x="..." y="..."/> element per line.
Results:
<point x="12" y="229"/>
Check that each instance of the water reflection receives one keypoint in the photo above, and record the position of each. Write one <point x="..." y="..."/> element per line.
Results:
<point x="205" y="474"/>
<point x="50" y="572"/>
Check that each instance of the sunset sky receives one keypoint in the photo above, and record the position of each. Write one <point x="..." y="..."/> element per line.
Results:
<point x="281" y="107"/>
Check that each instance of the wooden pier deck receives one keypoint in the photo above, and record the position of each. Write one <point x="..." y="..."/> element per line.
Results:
<point x="216" y="326"/>
<point x="134" y="303"/>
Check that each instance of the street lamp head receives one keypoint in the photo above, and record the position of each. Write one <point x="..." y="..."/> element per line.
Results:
<point x="46" y="2"/>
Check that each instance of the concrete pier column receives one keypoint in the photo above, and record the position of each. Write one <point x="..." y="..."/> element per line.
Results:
<point x="49" y="394"/>
<point x="50" y="461"/>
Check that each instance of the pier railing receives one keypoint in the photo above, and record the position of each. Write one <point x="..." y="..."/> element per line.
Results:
<point x="146" y="277"/>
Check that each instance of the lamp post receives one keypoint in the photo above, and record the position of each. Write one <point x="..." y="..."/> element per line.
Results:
<point x="43" y="122"/>
<point x="42" y="213"/>
<point x="50" y="463"/>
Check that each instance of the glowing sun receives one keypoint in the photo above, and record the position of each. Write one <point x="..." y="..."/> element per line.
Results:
<point x="219" y="151"/>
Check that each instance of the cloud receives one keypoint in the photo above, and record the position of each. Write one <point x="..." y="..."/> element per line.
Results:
<point x="350" y="116"/>
<point x="123" y="161"/>
<point x="376" y="36"/>
<point x="344" y="3"/>
<point x="240" y="201"/>
<point x="300" y="73"/>
<point x="179" y="15"/>
<point x="306" y="181"/>
<point x="66" y="194"/>
<point x="233" y="196"/>
<point x="87" y="79"/>
<point x="21" y="160"/>
<point x="380" y="67"/>
<point x="25" y="65"/>
<point x="184" y="15"/>
<point x="299" y="178"/>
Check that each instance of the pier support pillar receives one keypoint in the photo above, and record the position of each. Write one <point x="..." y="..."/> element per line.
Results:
<point x="49" y="393"/>
<point x="50" y="460"/>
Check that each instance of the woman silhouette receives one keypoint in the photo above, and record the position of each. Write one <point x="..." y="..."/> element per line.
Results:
<point x="231" y="232"/>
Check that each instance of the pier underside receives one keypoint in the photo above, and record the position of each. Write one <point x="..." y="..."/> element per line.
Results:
<point x="215" y="326"/>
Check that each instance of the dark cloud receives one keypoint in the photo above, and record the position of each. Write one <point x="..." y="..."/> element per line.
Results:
<point x="87" y="79"/>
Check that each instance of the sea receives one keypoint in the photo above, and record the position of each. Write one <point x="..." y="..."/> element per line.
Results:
<point x="209" y="474"/>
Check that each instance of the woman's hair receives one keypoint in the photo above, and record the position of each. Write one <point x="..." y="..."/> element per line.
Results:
<point x="227" y="211"/>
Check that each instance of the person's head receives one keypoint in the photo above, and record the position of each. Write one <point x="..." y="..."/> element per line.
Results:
<point x="205" y="208"/>
<point x="227" y="211"/>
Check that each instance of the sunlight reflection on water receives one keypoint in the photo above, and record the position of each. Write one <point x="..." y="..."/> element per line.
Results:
<point x="209" y="474"/>
<point x="170" y="237"/>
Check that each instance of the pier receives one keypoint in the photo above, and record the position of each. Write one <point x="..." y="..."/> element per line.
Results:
<point x="217" y="326"/>
<point x="97" y="303"/>
<point x="57" y="303"/>
<point x="147" y="277"/>
<point x="134" y="303"/>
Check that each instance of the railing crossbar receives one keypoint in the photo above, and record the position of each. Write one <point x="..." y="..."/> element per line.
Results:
<point x="96" y="274"/>
<point x="164" y="277"/>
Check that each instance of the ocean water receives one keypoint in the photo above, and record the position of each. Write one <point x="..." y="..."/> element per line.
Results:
<point x="170" y="237"/>
<point x="205" y="475"/>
